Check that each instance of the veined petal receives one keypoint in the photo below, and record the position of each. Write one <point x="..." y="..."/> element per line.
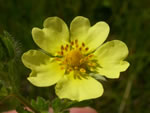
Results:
<point x="78" y="89"/>
<point x="92" y="36"/>
<point x="54" y="34"/>
<point x="44" y="71"/>
<point x="110" y="57"/>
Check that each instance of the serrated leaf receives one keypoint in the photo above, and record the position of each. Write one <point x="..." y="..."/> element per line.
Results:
<point x="57" y="105"/>
<point x="41" y="105"/>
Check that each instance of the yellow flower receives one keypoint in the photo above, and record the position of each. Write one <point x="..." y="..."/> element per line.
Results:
<point x="70" y="58"/>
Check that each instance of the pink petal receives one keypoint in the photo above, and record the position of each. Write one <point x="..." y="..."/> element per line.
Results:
<point x="82" y="110"/>
<point x="12" y="111"/>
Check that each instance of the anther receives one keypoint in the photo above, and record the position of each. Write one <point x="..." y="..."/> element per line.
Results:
<point x="66" y="48"/>
<point x="83" y="44"/>
<point x="67" y="45"/>
<point x="86" y="49"/>
<point x="69" y="70"/>
<point x="58" y="59"/>
<point x="62" y="47"/>
<point x="80" y="48"/>
<point x="59" y="53"/>
<point x="86" y="59"/>
<point x="81" y="61"/>
<point x="91" y="55"/>
<point x="77" y="45"/>
<point x="92" y="64"/>
<point x="72" y="43"/>
<point x="82" y="70"/>
<point x="76" y="41"/>
<point x="62" y="53"/>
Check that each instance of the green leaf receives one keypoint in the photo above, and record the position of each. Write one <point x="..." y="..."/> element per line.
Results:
<point x="62" y="106"/>
<point x="56" y="105"/>
<point x="41" y="105"/>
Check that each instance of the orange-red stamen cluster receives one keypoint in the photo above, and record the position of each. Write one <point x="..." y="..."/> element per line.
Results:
<point x="74" y="57"/>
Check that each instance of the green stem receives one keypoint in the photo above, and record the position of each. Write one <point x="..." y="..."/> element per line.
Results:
<point x="25" y="102"/>
<point x="22" y="100"/>
<point x="12" y="71"/>
<point x="12" y="75"/>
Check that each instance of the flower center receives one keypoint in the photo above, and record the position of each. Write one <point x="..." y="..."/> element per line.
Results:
<point x="73" y="58"/>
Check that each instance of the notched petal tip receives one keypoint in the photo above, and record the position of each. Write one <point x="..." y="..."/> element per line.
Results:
<point x="56" y="23"/>
<point x="34" y="82"/>
<point x="52" y="36"/>
<point x="78" y="90"/>
<point x="111" y="57"/>
<point x="122" y="45"/>
<point x="25" y="58"/>
<point x="125" y="65"/>
<point x="37" y="34"/>
<point x="79" y="22"/>
<point x="80" y="18"/>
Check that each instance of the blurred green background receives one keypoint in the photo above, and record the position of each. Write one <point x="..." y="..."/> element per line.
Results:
<point x="129" y="21"/>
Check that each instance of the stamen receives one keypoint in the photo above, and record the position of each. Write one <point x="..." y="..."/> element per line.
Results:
<point x="81" y="61"/>
<point x="82" y="70"/>
<point x="66" y="48"/>
<point x="62" y="53"/>
<point x="77" y="45"/>
<point x="67" y="45"/>
<point x="91" y="55"/>
<point x="86" y="49"/>
<point x="59" y="53"/>
<point x="80" y="48"/>
<point x="58" y="59"/>
<point x="92" y="64"/>
<point x="86" y="59"/>
<point x="62" y="47"/>
<point x="74" y="58"/>
<point x="83" y="44"/>
<point x="76" y="41"/>
<point x="72" y="43"/>
<point x="69" y="70"/>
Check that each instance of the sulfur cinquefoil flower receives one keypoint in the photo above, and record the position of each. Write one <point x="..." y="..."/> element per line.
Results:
<point x="72" y="57"/>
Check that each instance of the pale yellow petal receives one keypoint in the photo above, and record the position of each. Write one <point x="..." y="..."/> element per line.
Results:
<point x="76" y="89"/>
<point x="111" y="57"/>
<point x="45" y="72"/>
<point x="92" y="36"/>
<point x="54" y="34"/>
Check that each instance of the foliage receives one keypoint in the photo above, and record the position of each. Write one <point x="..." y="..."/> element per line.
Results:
<point x="129" y="22"/>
